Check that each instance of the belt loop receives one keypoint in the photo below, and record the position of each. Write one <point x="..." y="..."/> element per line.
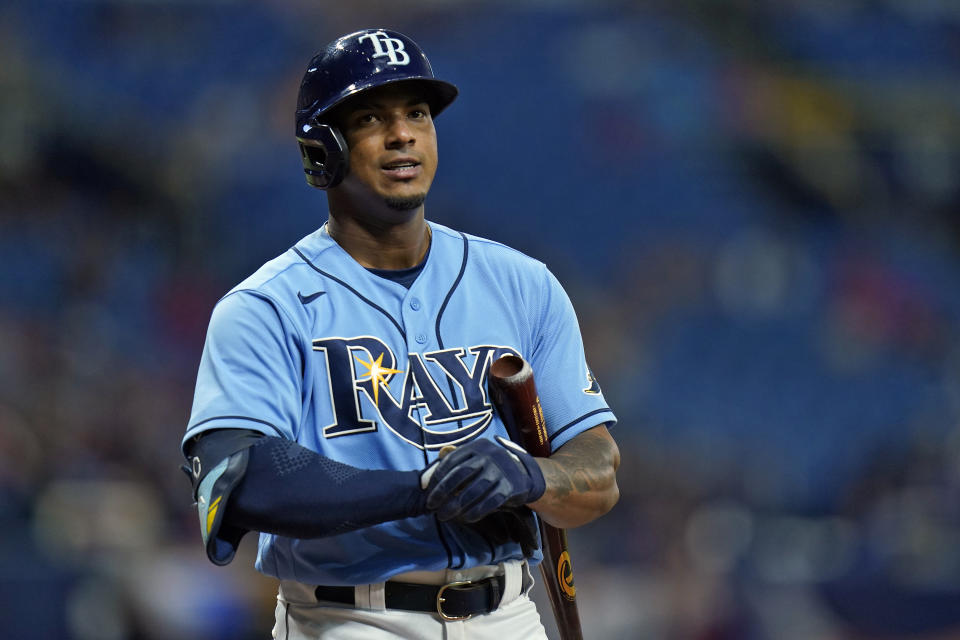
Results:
<point x="361" y="596"/>
<point x="377" y="596"/>
<point x="370" y="596"/>
<point x="512" y="581"/>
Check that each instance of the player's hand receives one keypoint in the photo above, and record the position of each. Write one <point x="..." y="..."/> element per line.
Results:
<point x="481" y="477"/>
<point x="509" y="525"/>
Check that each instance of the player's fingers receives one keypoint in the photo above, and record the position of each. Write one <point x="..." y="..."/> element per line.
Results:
<point x="480" y="491"/>
<point x="445" y="450"/>
<point x="466" y="502"/>
<point x="450" y="461"/>
<point x="490" y="502"/>
<point x="448" y="482"/>
<point x="454" y="504"/>
<point x="455" y="455"/>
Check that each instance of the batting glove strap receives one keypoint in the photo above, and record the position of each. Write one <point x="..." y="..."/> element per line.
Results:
<point x="539" y="483"/>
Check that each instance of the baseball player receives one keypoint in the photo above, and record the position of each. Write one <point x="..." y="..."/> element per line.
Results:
<point x="341" y="407"/>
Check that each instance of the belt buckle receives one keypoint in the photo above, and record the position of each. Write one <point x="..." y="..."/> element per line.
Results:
<point x="440" y="601"/>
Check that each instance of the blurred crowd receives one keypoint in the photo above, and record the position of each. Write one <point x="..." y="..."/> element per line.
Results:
<point x="755" y="207"/>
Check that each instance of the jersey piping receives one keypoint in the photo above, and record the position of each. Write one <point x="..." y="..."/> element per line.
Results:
<point x="577" y="421"/>
<point x="257" y="420"/>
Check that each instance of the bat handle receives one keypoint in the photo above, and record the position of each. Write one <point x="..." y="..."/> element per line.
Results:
<point x="557" y="574"/>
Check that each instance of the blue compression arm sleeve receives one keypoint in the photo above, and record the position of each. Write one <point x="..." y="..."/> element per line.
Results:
<point x="292" y="491"/>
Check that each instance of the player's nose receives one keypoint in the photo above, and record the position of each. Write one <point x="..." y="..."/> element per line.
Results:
<point x="399" y="133"/>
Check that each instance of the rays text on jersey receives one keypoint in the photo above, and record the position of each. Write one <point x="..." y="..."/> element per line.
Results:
<point x="439" y="399"/>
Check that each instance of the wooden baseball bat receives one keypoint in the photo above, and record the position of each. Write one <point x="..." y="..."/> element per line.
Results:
<point x="514" y="394"/>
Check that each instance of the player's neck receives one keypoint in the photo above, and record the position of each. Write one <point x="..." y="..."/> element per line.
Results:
<point x="382" y="246"/>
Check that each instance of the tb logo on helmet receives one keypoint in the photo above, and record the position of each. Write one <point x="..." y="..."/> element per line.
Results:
<point x="394" y="47"/>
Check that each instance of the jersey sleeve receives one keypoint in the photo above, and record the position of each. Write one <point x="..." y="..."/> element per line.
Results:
<point x="569" y="394"/>
<point x="250" y="373"/>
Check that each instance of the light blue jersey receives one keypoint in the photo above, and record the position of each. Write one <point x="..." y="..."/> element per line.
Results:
<point x="315" y="348"/>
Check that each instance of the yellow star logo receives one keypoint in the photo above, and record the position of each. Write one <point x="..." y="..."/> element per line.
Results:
<point x="378" y="373"/>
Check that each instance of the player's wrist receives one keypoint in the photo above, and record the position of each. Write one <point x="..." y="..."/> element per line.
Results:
<point x="545" y="466"/>
<point x="539" y="488"/>
<point x="416" y="499"/>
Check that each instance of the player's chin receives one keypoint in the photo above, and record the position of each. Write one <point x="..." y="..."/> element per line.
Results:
<point x="404" y="197"/>
<point x="405" y="202"/>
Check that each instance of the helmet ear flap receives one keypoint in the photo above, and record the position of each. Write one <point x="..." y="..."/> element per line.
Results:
<point x="325" y="155"/>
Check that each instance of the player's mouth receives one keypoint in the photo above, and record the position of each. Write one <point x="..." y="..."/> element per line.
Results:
<point x="402" y="168"/>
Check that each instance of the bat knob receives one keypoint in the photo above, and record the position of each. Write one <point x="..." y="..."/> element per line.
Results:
<point x="445" y="451"/>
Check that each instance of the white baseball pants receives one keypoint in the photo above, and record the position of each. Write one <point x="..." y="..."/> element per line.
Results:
<point x="299" y="616"/>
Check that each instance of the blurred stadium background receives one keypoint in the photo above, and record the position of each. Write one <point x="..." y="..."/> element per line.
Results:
<point x="755" y="207"/>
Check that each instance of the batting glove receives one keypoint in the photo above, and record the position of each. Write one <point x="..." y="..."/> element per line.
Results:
<point x="482" y="477"/>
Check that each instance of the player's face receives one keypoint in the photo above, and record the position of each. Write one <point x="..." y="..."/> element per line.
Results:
<point x="393" y="146"/>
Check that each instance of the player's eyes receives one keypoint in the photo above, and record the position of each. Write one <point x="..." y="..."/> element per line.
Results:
<point x="419" y="114"/>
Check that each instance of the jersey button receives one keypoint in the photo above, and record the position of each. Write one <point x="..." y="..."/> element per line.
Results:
<point x="415" y="304"/>
<point x="421" y="338"/>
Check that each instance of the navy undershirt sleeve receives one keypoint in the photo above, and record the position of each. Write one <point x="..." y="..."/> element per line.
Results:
<point x="292" y="491"/>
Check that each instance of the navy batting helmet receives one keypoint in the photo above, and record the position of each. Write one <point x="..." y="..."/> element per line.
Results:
<point x="348" y="65"/>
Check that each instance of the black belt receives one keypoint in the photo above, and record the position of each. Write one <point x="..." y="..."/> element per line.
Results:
<point x="453" y="601"/>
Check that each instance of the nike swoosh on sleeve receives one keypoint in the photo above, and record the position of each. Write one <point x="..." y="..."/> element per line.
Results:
<point x="310" y="298"/>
